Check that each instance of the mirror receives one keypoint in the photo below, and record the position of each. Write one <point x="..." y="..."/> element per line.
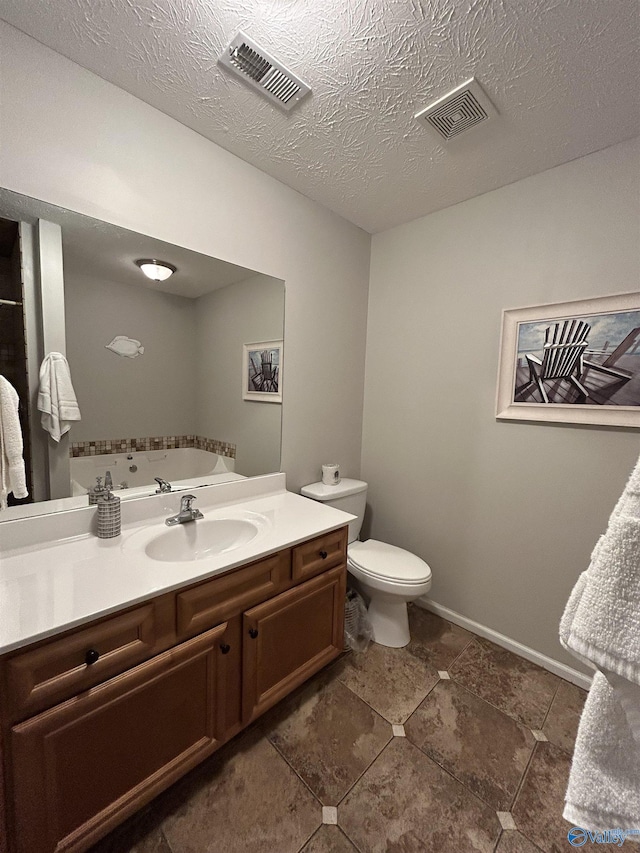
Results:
<point x="156" y="367"/>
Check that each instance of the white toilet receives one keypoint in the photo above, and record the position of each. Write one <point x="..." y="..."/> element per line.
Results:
<point x="389" y="577"/>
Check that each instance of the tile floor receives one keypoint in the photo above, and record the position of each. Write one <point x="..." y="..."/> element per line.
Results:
<point x="450" y="745"/>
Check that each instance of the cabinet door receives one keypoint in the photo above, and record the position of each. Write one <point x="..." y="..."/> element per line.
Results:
<point x="289" y="638"/>
<point x="82" y="767"/>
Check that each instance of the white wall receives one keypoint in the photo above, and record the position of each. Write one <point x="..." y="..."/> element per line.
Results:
<point x="153" y="394"/>
<point x="505" y="513"/>
<point x="246" y="312"/>
<point x="72" y="139"/>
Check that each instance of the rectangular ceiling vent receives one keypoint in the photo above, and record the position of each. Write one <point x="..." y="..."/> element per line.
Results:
<point x="264" y="73"/>
<point x="461" y="109"/>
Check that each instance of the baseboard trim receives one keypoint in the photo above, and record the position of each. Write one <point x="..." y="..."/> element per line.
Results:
<point x="554" y="666"/>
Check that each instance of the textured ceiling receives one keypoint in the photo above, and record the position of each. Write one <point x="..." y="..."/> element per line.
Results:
<point x="563" y="75"/>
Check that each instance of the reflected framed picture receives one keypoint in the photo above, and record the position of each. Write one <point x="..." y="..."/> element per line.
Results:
<point x="262" y="372"/>
<point x="572" y="362"/>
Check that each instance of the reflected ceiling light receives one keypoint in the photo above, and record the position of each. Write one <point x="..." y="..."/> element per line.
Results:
<point x="156" y="270"/>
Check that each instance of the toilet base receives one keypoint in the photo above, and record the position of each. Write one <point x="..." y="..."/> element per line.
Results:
<point x="389" y="621"/>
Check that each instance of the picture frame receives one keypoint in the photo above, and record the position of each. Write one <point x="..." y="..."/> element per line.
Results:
<point x="572" y="362"/>
<point x="262" y="371"/>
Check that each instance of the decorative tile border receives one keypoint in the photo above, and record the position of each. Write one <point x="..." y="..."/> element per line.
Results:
<point x="164" y="442"/>
<point x="212" y="445"/>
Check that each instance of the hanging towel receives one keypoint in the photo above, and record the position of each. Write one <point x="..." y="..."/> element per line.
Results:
<point x="12" y="474"/>
<point x="56" y="397"/>
<point x="605" y="625"/>
<point x="603" y="784"/>
<point x="601" y="626"/>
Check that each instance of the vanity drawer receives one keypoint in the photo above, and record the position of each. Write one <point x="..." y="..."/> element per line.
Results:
<point x="320" y="554"/>
<point x="221" y="598"/>
<point x="65" y="666"/>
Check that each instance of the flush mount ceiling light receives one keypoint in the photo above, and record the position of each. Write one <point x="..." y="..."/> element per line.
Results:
<point x="156" y="270"/>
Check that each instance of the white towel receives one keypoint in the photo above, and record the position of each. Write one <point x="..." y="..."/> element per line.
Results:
<point x="601" y="626"/>
<point x="56" y="397"/>
<point x="569" y="616"/>
<point x="603" y="786"/>
<point x="12" y="473"/>
<point x="601" y="622"/>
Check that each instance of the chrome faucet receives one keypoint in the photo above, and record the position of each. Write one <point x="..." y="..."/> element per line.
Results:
<point x="163" y="486"/>
<point x="187" y="512"/>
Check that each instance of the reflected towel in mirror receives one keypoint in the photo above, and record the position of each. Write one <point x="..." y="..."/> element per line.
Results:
<point x="12" y="473"/>
<point x="56" y="397"/>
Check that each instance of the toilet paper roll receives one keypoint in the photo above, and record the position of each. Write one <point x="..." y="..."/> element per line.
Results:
<point x="331" y="475"/>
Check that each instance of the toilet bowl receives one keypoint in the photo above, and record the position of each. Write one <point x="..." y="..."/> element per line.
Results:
<point x="388" y="577"/>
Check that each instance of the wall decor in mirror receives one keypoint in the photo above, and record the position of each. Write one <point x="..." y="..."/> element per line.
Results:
<point x="156" y="366"/>
<point x="262" y="371"/>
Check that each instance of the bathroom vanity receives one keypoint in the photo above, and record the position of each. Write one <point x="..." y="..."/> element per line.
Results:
<point x="103" y="709"/>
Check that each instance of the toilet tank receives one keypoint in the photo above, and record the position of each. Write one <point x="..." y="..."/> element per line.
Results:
<point x="347" y="495"/>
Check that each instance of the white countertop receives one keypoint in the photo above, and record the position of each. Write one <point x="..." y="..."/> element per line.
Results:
<point x="48" y="586"/>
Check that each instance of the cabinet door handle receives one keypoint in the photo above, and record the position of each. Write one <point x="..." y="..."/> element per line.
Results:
<point x="91" y="656"/>
<point x="253" y="633"/>
<point x="225" y="648"/>
<point x="324" y="555"/>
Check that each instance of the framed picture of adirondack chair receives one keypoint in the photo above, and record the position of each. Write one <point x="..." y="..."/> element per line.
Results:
<point x="572" y="362"/>
<point x="262" y="372"/>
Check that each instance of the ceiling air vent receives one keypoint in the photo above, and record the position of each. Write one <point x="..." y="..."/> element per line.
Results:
<point x="254" y="65"/>
<point x="460" y="110"/>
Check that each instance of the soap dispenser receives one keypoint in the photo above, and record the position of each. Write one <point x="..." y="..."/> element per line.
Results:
<point x="109" y="524"/>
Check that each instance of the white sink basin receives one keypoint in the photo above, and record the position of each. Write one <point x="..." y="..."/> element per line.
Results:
<point x="198" y="540"/>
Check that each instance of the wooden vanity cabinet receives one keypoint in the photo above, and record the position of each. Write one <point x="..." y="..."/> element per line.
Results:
<point x="83" y="748"/>
<point x="83" y="766"/>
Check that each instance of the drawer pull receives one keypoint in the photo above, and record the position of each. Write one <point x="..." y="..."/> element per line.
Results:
<point x="324" y="555"/>
<point x="91" y="656"/>
<point x="253" y="633"/>
<point x="225" y="648"/>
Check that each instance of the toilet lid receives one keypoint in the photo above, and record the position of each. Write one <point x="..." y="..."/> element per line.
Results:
<point x="388" y="562"/>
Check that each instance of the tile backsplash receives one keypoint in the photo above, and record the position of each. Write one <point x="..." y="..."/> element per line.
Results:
<point x="162" y="442"/>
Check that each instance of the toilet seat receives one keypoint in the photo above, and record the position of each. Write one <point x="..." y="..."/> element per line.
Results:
<point x="381" y="561"/>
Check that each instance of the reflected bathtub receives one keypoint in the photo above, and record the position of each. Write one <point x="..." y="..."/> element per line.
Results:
<point x="133" y="473"/>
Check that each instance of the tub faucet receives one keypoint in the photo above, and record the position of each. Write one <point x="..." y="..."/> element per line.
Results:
<point x="187" y="512"/>
<point x="163" y="486"/>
